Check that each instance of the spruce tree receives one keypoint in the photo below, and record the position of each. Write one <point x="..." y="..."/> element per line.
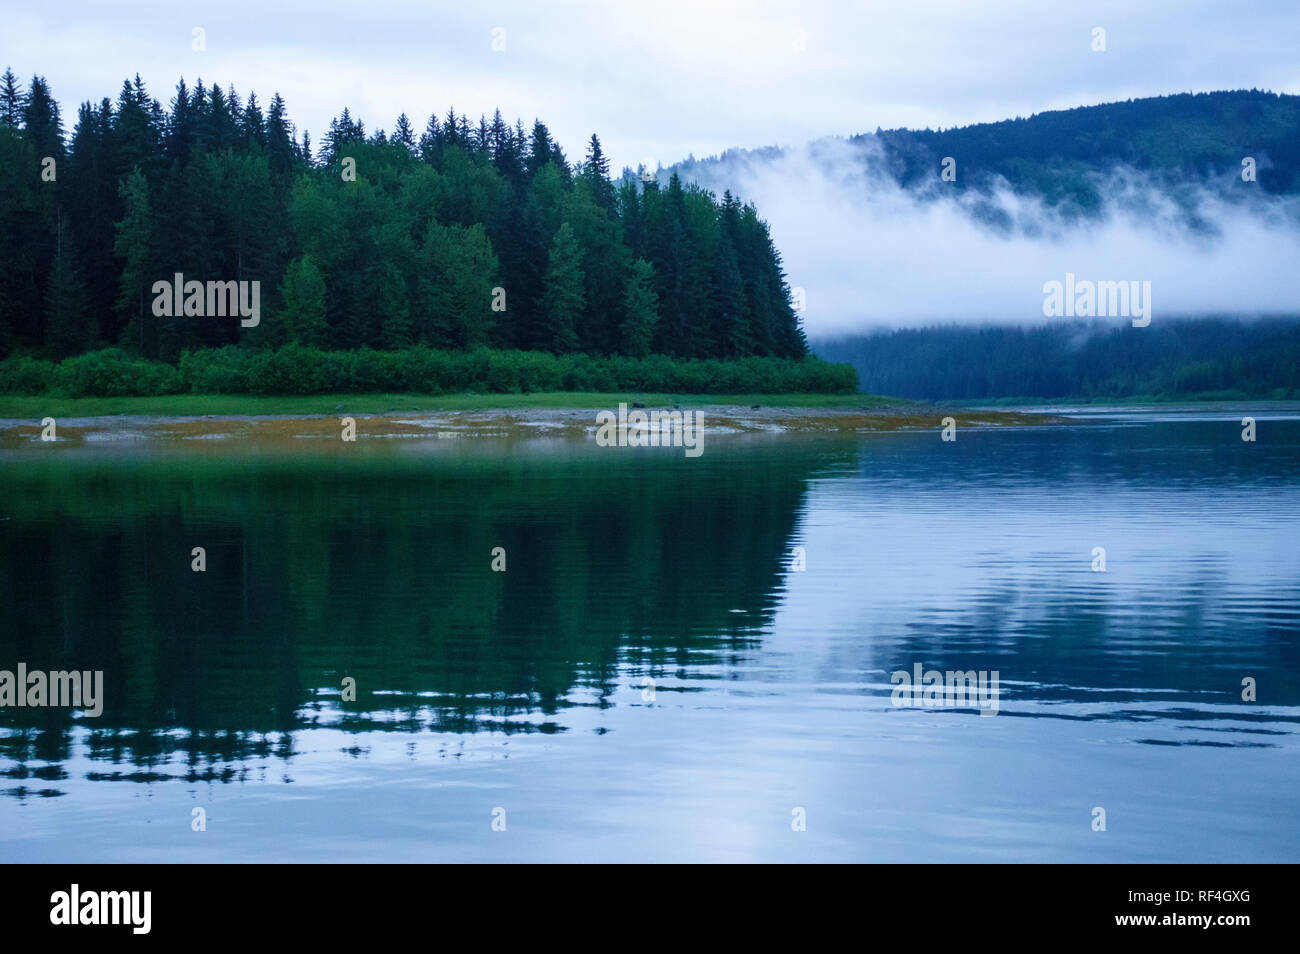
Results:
<point x="596" y="172"/>
<point x="562" y="298"/>
<point x="640" y="310"/>
<point x="131" y="245"/>
<point x="302" y="297"/>
<point x="404" y="134"/>
<point x="12" y="100"/>
<point x="70" y="322"/>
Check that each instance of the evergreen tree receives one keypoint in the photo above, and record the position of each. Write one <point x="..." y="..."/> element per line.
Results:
<point x="252" y="124"/>
<point x="458" y="275"/>
<point x="302" y="296"/>
<point x="395" y="308"/>
<point x="42" y="124"/>
<point x="563" y="298"/>
<point x="596" y="173"/>
<point x="404" y="134"/>
<point x="134" y="235"/>
<point x="71" y="325"/>
<point x="431" y="142"/>
<point x="540" y="148"/>
<point x="279" y="141"/>
<point x="640" y="310"/>
<point x="12" y="100"/>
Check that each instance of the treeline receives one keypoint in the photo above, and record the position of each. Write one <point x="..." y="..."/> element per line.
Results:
<point x="458" y="236"/>
<point x="1183" y="358"/>
<point x="1183" y="136"/>
<point x="1061" y="156"/>
<point x="299" y="369"/>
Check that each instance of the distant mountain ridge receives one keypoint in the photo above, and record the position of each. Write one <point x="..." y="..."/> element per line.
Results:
<point x="1216" y="358"/>
<point x="1177" y="138"/>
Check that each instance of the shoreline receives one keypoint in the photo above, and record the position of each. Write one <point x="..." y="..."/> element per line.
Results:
<point x="851" y="415"/>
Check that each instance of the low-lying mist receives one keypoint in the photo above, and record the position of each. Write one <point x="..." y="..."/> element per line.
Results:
<point x="870" y="253"/>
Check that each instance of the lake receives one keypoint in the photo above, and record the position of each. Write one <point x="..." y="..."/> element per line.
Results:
<point x="682" y="659"/>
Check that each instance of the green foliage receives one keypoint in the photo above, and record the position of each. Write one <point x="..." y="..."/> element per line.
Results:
<point x="21" y="374"/>
<point x="114" y="373"/>
<point x="456" y="287"/>
<point x="383" y="242"/>
<point x="640" y="310"/>
<point x="302" y="295"/>
<point x="298" y="369"/>
<point x="563" y="299"/>
<point x="1099" y="361"/>
<point x="1179" y="136"/>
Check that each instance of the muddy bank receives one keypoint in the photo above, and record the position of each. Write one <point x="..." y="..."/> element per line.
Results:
<point x="716" y="420"/>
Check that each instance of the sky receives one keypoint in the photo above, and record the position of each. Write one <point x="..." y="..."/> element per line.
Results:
<point x="668" y="79"/>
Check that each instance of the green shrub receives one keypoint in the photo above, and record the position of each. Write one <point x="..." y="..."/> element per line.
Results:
<point x="298" y="369"/>
<point x="114" y="373"/>
<point x="23" y="375"/>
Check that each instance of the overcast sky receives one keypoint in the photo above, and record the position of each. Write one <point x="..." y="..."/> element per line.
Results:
<point x="666" y="78"/>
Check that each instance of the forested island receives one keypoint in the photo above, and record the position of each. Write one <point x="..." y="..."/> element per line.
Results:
<point x="458" y="238"/>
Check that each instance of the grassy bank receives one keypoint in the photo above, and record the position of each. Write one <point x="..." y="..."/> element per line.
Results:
<point x="35" y="407"/>
<point x="295" y="370"/>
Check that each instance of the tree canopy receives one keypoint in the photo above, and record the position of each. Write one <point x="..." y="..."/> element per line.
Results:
<point x="462" y="235"/>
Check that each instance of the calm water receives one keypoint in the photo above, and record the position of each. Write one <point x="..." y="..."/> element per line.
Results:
<point x="525" y="690"/>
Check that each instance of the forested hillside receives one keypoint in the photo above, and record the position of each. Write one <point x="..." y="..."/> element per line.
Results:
<point x="1181" y="137"/>
<point x="1058" y="155"/>
<point x="455" y="236"/>
<point x="1172" y="359"/>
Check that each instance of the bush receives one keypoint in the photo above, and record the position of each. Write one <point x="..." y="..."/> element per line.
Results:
<point x="298" y="369"/>
<point x="23" y="375"/>
<point x="114" y="373"/>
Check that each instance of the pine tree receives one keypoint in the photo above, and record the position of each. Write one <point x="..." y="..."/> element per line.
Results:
<point x="252" y="124"/>
<point x="540" y="150"/>
<point x="70" y="323"/>
<point x="431" y="142"/>
<point x="404" y="134"/>
<point x="41" y="120"/>
<point x="458" y="275"/>
<point x="279" y="141"/>
<point x="394" y="307"/>
<point x="640" y="310"/>
<point x="24" y="249"/>
<point x="12" y="100"/>
<point x="302" y="297"/>
<point x="134" y="234"/>
<point x="596" y="172"/>
<point x="180" y="125"/>
<point x="562" y="298"/>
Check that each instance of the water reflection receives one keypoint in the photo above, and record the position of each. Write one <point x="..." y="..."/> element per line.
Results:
<point x="771" y="686"/>
<point x="377" y="568"/>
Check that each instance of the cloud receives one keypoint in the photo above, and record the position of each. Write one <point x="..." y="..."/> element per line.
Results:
<point x="870" y="253"/>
